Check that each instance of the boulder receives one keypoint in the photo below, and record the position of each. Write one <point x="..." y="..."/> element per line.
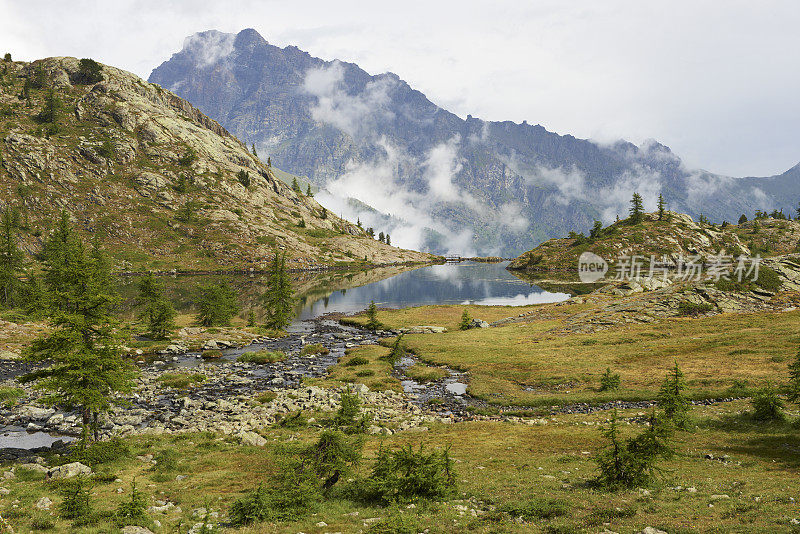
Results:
<point x="251" y="438"/>
<point x="70" y="471"/>
<point x="131" y="529"/>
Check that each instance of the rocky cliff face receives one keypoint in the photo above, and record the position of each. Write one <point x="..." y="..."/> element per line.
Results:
<point x="437" y="181"/>
<point x="159" y="182"/>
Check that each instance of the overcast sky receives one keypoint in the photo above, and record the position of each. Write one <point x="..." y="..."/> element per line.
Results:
<point x="717" y="81"/>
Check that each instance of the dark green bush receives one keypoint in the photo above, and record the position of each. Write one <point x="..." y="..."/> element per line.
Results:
<point x="101" y="452"/>
<point x="75" y="504"/>
<point x="401" y="475"/>
<point x="609" y="382"/>
<point x="687" y="308"/>
<point x="89" y="72"/>
<point x="767" y="406"/>
<point x="333" y="456"/>
<point x="289" y="497"/>
<point x="358" y="360"/>
<point x="632" y="462"/>
<point x="768" y="279"/>
<point x="133" y="511"/>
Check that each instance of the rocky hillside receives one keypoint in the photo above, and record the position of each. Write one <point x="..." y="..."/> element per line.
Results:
<point x="158" y="182"/>
<point x="450" y="184"/>
<point x="677" y="235"/>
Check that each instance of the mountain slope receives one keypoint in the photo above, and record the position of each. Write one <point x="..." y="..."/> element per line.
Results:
<point x="458" y="185"/>
<point x="161" y="184"/>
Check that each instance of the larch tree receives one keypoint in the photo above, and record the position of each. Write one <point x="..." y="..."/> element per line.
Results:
<point x="279" y="297"/>
<point x="85" y="369"/>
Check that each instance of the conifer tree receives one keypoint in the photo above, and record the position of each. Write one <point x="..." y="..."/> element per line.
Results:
<point x="10" y="258"/>
<point x="671" y="398"/>
<point x="269" y="161"/>
<point x="372" y="317"/>
<point x="49" y="113"/>
<point x="308" y="191"/>
<point x="296" y="187"/>
<point x="388" y="240"/>
<point x="597" y="229"/>
<point x="380" y="237"/>
<point x="217" y="305"/>
<point x="793" y="393"/>
<point x="254" y="150"/>
<point x="661" y="207"/>
<point x="158" y="312"/>
<point x="743" y="219"/>
<point x="86" y="368"/>
<point x="637" y="208"/>
<point x="279" y="297"/>
<point x="466" y="321"/>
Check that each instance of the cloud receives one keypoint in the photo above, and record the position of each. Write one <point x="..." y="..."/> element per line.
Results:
<point x="207" y="48"/>
<point x="542" y="297"/>
<point x="701" y="185"/>
<point x="355" y="114"/>
<point x="510" y="214"/>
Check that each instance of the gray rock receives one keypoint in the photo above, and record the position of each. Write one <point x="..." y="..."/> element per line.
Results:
<point x="70" y="471"/>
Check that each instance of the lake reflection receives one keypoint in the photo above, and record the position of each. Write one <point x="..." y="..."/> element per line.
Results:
<point x="453" y="283"/>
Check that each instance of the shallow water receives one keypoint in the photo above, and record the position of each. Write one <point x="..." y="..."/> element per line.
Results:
<point x="19" y="438"/>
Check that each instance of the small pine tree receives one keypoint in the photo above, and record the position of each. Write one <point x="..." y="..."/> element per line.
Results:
<point x="358" y="223"/>
<point x="217" y="305"/>
<point x="372" y="317"/>
<point x="348" y="417"/>
<point x="279" y="297"/>
<point x="371" y="232"/>
<point x="609" y="381"/>
<point x="296" y="187"/>
<point x="10" y="258"/>
<point x="244" y="177"/>
<point x="75" y="504"/>
<point x="380" y="237"/>
<point x="133" y="511"/>
<point x="308" y="191"/>
<point x="596" y="230"/>
<point x="662" y="205"/>
<point x="743" y="219"/>
<point x="466" y="321"/>
<point x="793" y="390"/>
<point x="798" y="212"/>
<point x="269" y="161"/>
<point x="767" y="406"/>
<point x="49" y="113"/>
<point x="324" y="214"/>
<point x="254" y="150"/>
<point x="158" y="312"/>
<point x="637" y="208"/>
<point x="388" y="240"/>
<point x="7" y="57"/>
<point x="251" y="318"/>
<point x="672" y="400"/>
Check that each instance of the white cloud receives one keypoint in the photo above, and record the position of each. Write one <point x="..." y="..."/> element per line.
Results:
<point x="208" y="47"/>
<point x="354" y="114"/>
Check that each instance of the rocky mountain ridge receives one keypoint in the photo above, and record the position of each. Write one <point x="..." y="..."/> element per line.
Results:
<point x="160" y="183"/>
<point x="443" y="183"/>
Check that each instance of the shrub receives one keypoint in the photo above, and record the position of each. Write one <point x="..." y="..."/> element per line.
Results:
<point x="290" y="497"/>
<point x="401" y="475"/>
<point x="107" y="150"/>
<point x="101" y="452"/>
<point x="75" y="504"/>
<point x="189" y="157"/>
<point x="243" y="177"/>
<point x="466" y="321"/>
<point x="687" y="308"/>
<point x="265" y="397"/>
<point x="397" y="352"/>
<point x="314" y="348"/>
<point x="332" y="457"/>
<point x="632" y="462"/>
<point x="132" y="511"/>
<point x="767" y="406"/>
<point x="211" y="354"/>
<point x="609" y="382"/>
<point x="768" y="279"/>
<point x="365" y="373"/>
<point x="372" y="317"/>
<point x="89" y="72"/>
<point x="181" y="380"/>
<point x="537" y="508"/>
<point x="347" y="417"/>
<point x="357" y="360"/>
<point x="262" y="357"/>
<point x="293" y="420"/>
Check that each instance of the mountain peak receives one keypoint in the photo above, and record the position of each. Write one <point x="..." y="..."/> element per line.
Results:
<point x="249" y="38"/>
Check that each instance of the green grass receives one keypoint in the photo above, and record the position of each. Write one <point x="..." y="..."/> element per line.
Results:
<point x="10" y="395"/>
<point x="425" y="373"/>
<point x="262" y="357"/>
<point x="313" y="348"/>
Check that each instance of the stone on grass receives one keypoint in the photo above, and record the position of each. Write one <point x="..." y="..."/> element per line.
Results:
<point x="132" y="529"/>
<point x="70" y="470"/>
<point x="43" y="504"/>
<point x="251" y="438"/>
